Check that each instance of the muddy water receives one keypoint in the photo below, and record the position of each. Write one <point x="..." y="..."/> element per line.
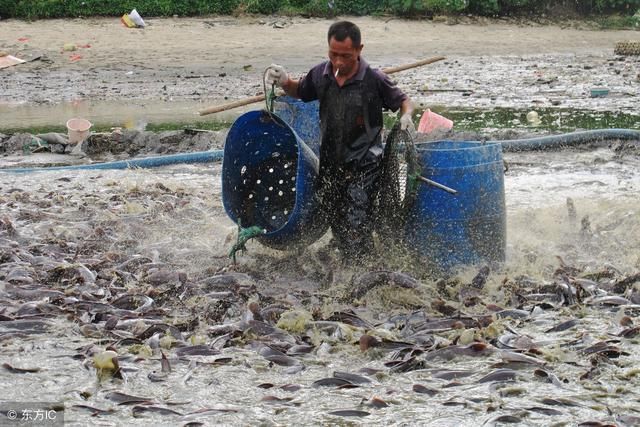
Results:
<point x="106" y="113"/>
<point x="175" y="216"/>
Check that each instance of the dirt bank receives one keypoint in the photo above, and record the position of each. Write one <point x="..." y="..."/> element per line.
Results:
<point x="174" y="67"/>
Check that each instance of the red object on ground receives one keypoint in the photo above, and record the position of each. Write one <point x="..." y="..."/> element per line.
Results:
<point x="431" y="121"/>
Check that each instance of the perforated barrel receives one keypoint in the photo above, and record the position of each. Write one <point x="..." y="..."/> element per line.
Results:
<point x="450" y="230"/>
<point x="269" y="177"/>
<point x="303" y="117"/>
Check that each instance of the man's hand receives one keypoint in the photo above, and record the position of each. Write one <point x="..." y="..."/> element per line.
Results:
<point x="276" y="74"/>
<point x="406" y="123"/>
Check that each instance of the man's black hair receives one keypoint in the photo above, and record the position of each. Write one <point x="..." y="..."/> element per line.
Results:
<point x="342" y="29"/>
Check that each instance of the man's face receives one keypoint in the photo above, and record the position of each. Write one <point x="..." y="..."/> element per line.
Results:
<point x="343" y="55"/>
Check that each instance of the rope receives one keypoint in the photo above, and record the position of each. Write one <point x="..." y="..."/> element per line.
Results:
<point x="244" y="235"/>
<point x="270" y="97"/>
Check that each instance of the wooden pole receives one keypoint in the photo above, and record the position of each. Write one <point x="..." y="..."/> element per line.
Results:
<point x="258" y="98"/>
<point x="392" y="70"/>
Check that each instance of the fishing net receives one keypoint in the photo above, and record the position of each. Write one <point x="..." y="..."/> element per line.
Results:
<point x="627" y="48"/>
<point x="397" y="186"/>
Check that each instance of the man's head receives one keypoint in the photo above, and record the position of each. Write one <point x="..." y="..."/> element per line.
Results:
<point x="345" y="45"/>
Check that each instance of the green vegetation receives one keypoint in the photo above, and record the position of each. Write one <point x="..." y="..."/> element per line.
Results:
<point x="103" y="127"/>
<point x="465" y="119"/>
<point x="551" y="119"/>
<point x="38" y="9"/>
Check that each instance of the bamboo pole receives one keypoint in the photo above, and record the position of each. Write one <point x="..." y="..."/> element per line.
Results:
<point x="258" y="98"/>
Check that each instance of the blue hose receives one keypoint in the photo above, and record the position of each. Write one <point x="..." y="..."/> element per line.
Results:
<point x="567" y="139"/>
<point x="147" y="162"/>
<point x="509" y="145"/>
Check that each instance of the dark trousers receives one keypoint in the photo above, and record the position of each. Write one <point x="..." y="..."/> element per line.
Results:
<point x="347" y="202"/>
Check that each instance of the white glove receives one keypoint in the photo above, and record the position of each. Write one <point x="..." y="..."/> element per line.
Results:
<point x="276" y="74"/>
<point x="406" y="123"/>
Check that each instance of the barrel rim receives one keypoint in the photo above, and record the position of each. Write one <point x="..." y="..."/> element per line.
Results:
<point x="430" y="145"/>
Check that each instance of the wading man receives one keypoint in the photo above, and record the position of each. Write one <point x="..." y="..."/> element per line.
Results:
<point x="352" y="98"/>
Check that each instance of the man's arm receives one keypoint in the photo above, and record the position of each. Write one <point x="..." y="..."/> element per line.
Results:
<point x="406" y="107"/>
<point x="290" y="87"/>
<point x="406" y="116"/>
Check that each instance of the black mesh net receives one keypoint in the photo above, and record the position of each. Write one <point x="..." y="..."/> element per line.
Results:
<point x="396" y="191"/>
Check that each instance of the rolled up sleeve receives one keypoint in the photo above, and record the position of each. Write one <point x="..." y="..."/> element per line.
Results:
<point x="392" y="96"/>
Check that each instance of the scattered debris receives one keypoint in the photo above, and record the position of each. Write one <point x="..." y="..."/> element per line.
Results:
<point x="533" y="118"/>
<point x="133" y="20"/>
<point x="9" y="61"/>
<point x="431" y="121"/>
<point x="599" y="92"/>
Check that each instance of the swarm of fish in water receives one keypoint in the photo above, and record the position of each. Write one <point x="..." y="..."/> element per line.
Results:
<point x="134" y="308"/>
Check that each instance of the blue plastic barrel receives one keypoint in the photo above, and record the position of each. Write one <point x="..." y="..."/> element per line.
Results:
<point x="451" y="230"/>
<point x="303" y="117"/>
<point x="269" y="179"/>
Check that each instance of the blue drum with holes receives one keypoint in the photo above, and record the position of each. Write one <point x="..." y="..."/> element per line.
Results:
<point x="269" y="179"/>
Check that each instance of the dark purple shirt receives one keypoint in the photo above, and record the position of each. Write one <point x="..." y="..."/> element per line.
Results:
<point x="392" y="97"/>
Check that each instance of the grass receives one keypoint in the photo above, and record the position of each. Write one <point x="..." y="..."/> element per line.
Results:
<point x="618" y="22"/>
<point x="153" y="127"/>
<point x="552" y="119"/>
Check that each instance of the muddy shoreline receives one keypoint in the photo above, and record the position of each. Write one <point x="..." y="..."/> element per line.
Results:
<point x="176" y="67"/>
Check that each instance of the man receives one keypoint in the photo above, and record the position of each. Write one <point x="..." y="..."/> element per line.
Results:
<point x="352" y="97"/>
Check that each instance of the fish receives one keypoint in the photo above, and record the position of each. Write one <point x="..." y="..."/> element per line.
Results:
<point x="419" y="388"/>
<point x="352" y="378"/>
<point x="366" y="282"/>
<point x="480" y="279"/>
<point x="138" y="410"/>
<point x="126" y="399"/>
<point x="15" y="370"/>
<point x="563" y="326"/>
<point x="332" y="382"/>
<point x="350" y="413"/>
<point x="499" y="375"/>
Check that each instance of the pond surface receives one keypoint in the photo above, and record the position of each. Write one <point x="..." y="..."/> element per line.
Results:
<point x="172" y="220"/>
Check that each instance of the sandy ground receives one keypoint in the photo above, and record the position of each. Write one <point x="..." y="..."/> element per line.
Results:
<point x="175" y="67"/>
